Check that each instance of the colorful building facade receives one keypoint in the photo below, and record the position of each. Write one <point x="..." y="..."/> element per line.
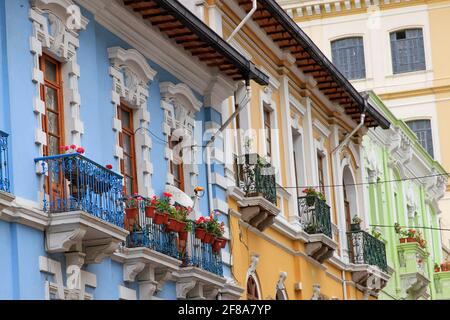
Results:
<point x="395" y="164"/>
<point x="120" y="82"/>
<point x="398" y="50"/>
<point x="285" y="245"/>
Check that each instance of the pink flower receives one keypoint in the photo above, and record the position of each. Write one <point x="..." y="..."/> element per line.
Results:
<point x="73" y="147"/>
<point x="80" y="150"/>
<point x="109" y="167"/>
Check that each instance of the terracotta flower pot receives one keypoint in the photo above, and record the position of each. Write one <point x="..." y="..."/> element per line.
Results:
<point x="209" y="238"/>
<point x="161" y="218"/>
<point x="410" y="240"/>
<point x="183" y="235"/>
<point x="219" y="243"/>
<point x="217" y="246"/>
<point x="403" y="240"/>
<point x="131" y="213"/>
<point x="437" y="270"/>
<point x="444" y="267"/>
<point x="173" y="225"/>
<point x="200" y="233"/>
<point x="150" y="212"/>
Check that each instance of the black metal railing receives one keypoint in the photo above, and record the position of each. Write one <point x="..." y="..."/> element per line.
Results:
<point x="315" y="215"/>
<point x="191" y="253"/>
<point x="366" y="249"/>
<point x="76" y="183"/>
<point x="256" y="177"/>
<point x="4" y="170"/>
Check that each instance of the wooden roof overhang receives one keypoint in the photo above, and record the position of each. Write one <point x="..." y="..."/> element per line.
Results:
<point x="188" y="31"/>
<point x="311" y="61"/>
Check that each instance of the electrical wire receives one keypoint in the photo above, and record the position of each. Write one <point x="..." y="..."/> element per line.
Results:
<point x="367" y="183"/>
<point x="413" y="227"/>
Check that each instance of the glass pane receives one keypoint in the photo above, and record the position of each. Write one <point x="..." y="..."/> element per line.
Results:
<point x="53" y="125"/>
<point x="51" y="99"/>
<point x="128" y="185"/>
<point x="128" y="165"/>
<point x="50" y="71"/>
<point x="126" y="143"/>
<point x="125" y="117"/>
<point x="53" y="146"/>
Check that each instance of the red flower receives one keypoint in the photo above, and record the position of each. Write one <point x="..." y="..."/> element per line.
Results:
<point x="80" y="150"/>
<point x="73" y="147"/>
<point x="109" y="166"/>
<point x="167" y="195"/>
<point x="66" y="148"/>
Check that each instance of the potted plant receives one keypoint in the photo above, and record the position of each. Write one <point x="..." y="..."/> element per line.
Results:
<point x="411" y="235"/>
<point x="376" y="234"/>
<point x="437" y="267"/>
<point x="150" y="207"/>
<point x="211" y="227"/>
<point x="356" y="224"/>
<point x="132" y="208"/>
<point x="444" y="267"/>
<point x="219" y="242"/>
<point x="200" y="228"/>
<point x="183" y="234"/>
<point x="177" y="219"/>
<point x="311" y="195"/>
<point x="311" y="228"/>
<point x="162" y="209"/>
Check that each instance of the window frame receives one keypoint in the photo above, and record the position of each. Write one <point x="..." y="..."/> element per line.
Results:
<point x="129" y="131"/>
<point x="396" y="69"/>
<point x="428" y="130"/>
<point x="268" y="132"/>
<point x="360" y="71"/>
<point x="58" y="86"/>
<point x="179" y="183"/>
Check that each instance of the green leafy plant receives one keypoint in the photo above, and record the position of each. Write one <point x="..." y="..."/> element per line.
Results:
<point x="163" y="204"/>
<point x="312" y="192"/>
<point x="133" y="201"/>
<point x="214" y="226"/>
<point x="356" y="220"/>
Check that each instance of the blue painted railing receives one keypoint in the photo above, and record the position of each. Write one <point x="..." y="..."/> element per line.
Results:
<point x="194" y="254"/>
<point x="76" y="183"/>
<point x="4" y="170"/>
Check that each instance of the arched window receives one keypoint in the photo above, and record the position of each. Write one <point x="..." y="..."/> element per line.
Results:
<point x="348" y="56"/>
<point x="252" y="289"/>
<point x="408" y="53"/>
<point x="422" y="129"/>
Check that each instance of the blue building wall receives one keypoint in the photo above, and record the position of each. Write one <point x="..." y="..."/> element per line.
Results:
<point x="21" y="246"/>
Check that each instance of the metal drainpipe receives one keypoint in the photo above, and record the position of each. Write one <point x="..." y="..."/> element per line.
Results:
<point x="344" y="285"/>
<point x="241" y="106"/>
<point x="244" y="21"/>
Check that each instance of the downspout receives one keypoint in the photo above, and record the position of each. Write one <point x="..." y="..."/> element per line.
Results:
<point x="244" y="21"/>
<point x="241" y="106"/>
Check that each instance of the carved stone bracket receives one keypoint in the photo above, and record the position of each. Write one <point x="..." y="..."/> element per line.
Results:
<point x="184" y="287"/>
<point x="320" y="247"/>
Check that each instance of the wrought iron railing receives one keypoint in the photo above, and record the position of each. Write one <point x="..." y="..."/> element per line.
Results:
<point x="366" y="249"/>
<point x="191" y="253"/>
<point x="4" y="170"/>
<point x="256" y="177"/>
<point x="315" y="215"/>
<point x="75" y="183"/>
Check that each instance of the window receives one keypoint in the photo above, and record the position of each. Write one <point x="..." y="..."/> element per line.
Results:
<point x="348" y="56"/>
<point x="422" y="129"/>
<point x="321" y="173"/>
<point x="176" y="165"/>
<point x="52" y="95"/>
<point x="268" y="132"/>
<point x="126" y="141"/>
<point x="408" y="53"/>
<point x="252" y="289"/>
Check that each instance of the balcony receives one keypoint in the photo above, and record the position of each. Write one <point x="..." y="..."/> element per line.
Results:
<point x="256" y="191"/>
<point x="315" y="220"/>
<point x="442" y="282"/>
<point x="413" y="276"/>
<point x="368" y="254"/>
<point x="4" y="171"/>
<point x="83" y="201"/>
<point x="153" y="255"/>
